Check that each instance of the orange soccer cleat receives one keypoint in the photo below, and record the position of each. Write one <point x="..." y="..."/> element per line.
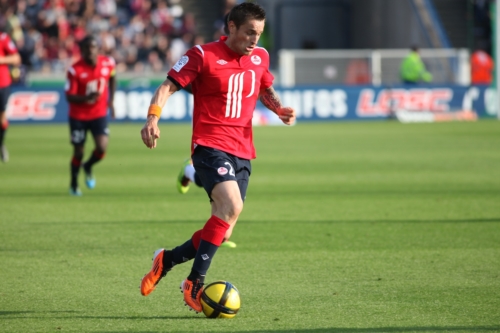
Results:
<point x="192" y="291"/>
<point x="157" y="272"/>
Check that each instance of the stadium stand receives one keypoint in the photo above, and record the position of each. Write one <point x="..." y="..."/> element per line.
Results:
<point x="143" y="36"/>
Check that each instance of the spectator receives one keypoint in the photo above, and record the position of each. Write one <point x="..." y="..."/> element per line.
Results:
<point x="413" y="68"/>
<point x="47" y="31"/>
<point x="482" y="66"/>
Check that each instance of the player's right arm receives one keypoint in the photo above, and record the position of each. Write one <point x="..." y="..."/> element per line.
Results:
<point x="150" y="131"/>
<point x="179" y="77"/>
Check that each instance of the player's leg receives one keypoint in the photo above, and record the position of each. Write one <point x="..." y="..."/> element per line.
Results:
<point x="165" y="260"/>
<point x="243" y="177"/>
<point x="4" y="123"/>
<point x="78" y="134"/>
<point x="227" y="205"/>
<point x="99" y="129"/>
<point x="216" y="170"/>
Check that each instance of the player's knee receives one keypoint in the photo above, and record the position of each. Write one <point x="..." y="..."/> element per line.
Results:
<point x="235" y="209"/>
<point x="78" y="153"/>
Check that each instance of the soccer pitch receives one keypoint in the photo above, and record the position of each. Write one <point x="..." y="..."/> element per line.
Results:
<point x="347" y="227"/>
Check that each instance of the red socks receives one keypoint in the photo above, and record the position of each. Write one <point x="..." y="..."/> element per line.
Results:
<point x="214" y="230"/>
<point x="196" y="239"/>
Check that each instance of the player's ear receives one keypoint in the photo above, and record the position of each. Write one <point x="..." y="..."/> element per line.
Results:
<point x="231" y="26"/>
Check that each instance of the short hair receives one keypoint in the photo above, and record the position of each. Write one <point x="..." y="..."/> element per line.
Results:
<point x="85" y="42"/>
<point x="246" y="11"/>
<point x="226" y="27"/>
<point x="414" y="48"/>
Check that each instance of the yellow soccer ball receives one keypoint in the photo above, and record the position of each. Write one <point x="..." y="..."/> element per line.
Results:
<point x="220" y="299"/>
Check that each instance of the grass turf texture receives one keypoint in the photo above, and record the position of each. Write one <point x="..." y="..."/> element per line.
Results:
<point x="347" y="227"/>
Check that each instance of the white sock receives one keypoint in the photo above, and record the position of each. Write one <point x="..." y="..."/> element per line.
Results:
<point x="189" y="172"/>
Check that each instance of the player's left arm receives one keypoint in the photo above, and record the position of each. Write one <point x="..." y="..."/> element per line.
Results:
<point x="13" y="59"/>
<point x="11" y="56"/>
<point x="112" y="89"/>
<point x="271" y="100"/>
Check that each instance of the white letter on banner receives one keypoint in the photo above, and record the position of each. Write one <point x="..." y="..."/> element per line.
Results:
<point x="134" y="105"/>
<point x="339" y="98"/>
<point x="120" y="104"/>
<point x="292" y="98"/>
<point x="322" y="103"/>
<point x="308" y="103"/>
<point x="175" y="107"/>
<point x="491" y="101"/>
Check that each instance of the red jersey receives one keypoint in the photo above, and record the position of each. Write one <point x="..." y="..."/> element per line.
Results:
<point x="481" y="68"/>
<point x="226" y="87"/>
<point x="7" y="48"/>
<point x="83" y="79"/>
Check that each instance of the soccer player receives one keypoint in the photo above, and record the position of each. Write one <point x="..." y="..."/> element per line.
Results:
<point x="90" y="91"/>
<point x="8" y="57"/>
<point x="227" y="78"/>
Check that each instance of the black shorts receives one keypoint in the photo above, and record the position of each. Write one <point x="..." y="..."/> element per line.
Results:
<point x="4" y="97"/>
<point x="78" y="129"/>
<point x="215" y="166"/>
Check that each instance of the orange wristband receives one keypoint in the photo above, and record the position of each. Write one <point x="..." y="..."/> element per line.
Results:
<point x="154" y="110"/>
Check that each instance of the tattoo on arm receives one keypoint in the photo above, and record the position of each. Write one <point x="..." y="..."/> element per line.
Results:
<point x="270" y="99"/>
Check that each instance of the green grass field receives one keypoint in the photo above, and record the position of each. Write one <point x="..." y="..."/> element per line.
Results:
<point x="347" y="227"/>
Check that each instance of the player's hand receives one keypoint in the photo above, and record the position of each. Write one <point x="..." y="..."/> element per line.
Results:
<point x="287" y="115"/>
<point x="92" y="97"/>
<point x="150" y="132"/>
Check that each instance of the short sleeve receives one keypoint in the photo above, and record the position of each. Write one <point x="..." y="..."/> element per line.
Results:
<point x="9" y="46"/>
<point x="71" y="84"/>
<point x="188" y="67"/>
<point x="266" y="80"/>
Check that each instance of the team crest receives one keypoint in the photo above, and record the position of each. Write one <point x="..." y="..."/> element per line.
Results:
<point x="256" y="59"/>
<point x="181" y="63"/>
<point x="222" y="171"/>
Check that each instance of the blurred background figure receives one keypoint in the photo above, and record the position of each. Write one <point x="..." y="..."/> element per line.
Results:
<point x="413" y="68"/>
<point x="482" y="66"/>
<point x="8" y="57"/>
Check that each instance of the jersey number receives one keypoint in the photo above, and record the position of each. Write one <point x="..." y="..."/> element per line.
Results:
<point x="235" y="92"/>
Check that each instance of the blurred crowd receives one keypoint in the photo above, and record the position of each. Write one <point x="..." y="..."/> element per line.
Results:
<point x="141" y="35"/>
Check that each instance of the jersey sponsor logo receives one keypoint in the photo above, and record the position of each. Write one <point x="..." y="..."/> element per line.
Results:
<point x="222" y="171"/>
<point x="222" y="62"/>
<point x="256" y="59"/>
<point x="181" y="63"/>
<point x="84" y="75"/>
<point x="234" y="93"/>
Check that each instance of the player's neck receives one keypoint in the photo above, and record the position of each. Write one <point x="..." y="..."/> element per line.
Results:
<point x="229" y="44"/>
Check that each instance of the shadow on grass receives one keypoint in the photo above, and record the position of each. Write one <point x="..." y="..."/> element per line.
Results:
<point x="496" y="328"/>
<point x="10" y="313"/>
<point x="264" y="221"/>
<point x="362" y="330"/>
